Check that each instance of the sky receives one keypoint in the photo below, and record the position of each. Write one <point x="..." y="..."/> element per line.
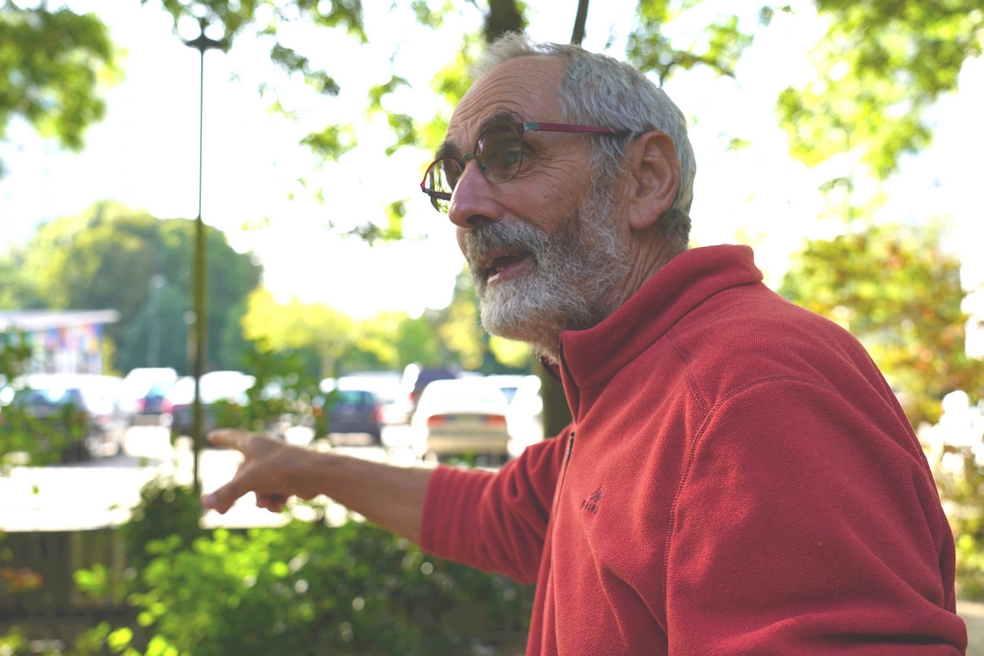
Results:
<point x="145" y="152"/>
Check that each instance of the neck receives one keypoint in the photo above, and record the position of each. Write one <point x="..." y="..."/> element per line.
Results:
<point x="647" y="255"/>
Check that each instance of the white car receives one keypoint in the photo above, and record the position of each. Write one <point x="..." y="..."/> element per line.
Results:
<point x="507" y="383"/>
<point x="461" y="416"/>
<point x="524" y="418"/>
<point x="145" y="387"/>
<point x="228" y="386"/>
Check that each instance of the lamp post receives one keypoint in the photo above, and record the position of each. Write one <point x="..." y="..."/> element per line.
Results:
<point x="201" y="44"/>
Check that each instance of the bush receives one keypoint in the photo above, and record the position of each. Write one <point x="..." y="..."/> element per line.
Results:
<point x="305" y="588"/>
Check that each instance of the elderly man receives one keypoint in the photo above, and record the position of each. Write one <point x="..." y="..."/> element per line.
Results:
<point x="738" y="478"/>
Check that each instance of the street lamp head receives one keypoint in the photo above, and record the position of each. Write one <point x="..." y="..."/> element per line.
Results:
<point x="201" y="43"/>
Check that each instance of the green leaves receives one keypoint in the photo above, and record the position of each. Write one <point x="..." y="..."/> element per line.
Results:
<point x="293" y="62"/>
<point x="649" y="49"/>
<point x="26" y="438"/>
<point x="51" y="63"/>
<point x="236" y="16"/>
<point x="879" y="67"/>
<point x="899" y="293"/>
<point x="306" y="588"/>
<point x="331" y="142"/>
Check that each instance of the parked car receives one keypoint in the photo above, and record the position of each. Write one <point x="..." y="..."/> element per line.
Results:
<point x="353" y="411"/>
<point x="147" y="387"/>
<point x="216" y="386"/>
<point x="508" y="384"/>
<point x="524" y="418"/>
<point x="386" y="387"/>
<point x="84" y="408"/>
<point x="460" y="416"/>
<point x="416" y="379"/>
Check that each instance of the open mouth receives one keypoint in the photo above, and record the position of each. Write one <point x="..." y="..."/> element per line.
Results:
<point x="505" y="264"/>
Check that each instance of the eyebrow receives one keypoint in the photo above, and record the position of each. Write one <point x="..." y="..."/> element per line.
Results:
<point x="449" y="149"/>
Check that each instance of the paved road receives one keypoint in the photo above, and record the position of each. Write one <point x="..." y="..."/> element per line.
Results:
<point x="101" y="493"/>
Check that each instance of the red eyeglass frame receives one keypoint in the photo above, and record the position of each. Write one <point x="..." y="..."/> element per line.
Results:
<point x="520" y="127"/>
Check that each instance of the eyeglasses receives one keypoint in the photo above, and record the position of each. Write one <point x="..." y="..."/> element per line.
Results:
<point x="499" y="153"/>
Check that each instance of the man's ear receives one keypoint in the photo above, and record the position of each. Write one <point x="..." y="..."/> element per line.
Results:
<point x="654" y="175"/>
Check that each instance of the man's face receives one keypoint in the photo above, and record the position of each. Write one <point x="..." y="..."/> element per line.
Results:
<point x="543" y="248"/>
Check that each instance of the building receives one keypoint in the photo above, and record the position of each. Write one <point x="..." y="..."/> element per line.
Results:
<point x="61" y="341"/>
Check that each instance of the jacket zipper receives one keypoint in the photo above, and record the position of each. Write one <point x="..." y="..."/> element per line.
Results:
<point x="570" y="447"/>
<point x="563" y="474"/>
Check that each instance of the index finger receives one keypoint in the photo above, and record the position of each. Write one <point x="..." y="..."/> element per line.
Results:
<point x="236" y="438"/>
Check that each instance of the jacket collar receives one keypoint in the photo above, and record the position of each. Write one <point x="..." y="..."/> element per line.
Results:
<point x="592" y="356"/>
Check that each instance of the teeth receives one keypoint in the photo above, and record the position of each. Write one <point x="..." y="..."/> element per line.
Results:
<point x="501" y="262"/>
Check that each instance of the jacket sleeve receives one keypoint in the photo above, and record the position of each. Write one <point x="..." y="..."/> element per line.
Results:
<point x="494" y="521"/>
<point x="803" y="526"/>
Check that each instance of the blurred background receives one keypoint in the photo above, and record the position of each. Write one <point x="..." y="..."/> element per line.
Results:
<point x="839" y="140"/>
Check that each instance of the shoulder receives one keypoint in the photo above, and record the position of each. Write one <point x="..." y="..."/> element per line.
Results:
<point x="749" y="335"/>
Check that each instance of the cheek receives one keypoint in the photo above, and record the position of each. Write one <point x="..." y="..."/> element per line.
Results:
<point x="560" y="189"/>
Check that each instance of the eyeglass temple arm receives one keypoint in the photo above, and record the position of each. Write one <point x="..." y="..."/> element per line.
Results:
<point x="562" y="127"/>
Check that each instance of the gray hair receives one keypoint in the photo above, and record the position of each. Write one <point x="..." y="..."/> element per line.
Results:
<point x="599" y="90"/>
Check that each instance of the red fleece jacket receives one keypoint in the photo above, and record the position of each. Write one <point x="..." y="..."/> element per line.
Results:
<point x="738" y="479"/>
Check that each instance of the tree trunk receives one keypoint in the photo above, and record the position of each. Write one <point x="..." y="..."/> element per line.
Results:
<point x="503" y="16"/>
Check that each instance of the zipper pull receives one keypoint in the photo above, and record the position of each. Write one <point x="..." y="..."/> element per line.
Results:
<point x="570" y="447"/>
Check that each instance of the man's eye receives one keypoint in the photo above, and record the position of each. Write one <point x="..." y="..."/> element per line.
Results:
<point x="513" y="158"/>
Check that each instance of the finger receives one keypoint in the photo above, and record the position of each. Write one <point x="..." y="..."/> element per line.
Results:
<point x="230" y="437"/>
<point x="272" y="502"/>
<point x="223" y="498"/>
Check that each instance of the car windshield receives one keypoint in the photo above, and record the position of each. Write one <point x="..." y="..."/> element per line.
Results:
<point x="353" y="397"/>
<point x="47" y="397"/>
<point x="385" y="386"/>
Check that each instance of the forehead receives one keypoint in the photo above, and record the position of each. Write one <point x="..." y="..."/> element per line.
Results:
<point x="526" y="86"/>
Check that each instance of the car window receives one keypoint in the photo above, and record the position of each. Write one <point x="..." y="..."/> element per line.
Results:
<point x="347" y="398"/>
<point x="48" y="397"/>
<point x="508" y="392"/>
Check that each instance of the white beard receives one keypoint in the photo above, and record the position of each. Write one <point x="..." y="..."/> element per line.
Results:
<point x="571" y="285"/>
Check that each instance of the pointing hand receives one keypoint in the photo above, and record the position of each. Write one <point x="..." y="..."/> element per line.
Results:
<point x="270" y="469"/>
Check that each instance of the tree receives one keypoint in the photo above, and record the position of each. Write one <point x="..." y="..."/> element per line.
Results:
<point x="50" y="65"/>
<point x="880" y="66"/>
<point x="899" y="293"/>
<point x="390" y="340"/>
<point x="295" y="325"/>
<point x="15" y="291"/>
<point x="106" y="257"/>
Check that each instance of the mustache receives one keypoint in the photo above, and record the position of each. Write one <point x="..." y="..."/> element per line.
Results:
<point x="490" y="237"/>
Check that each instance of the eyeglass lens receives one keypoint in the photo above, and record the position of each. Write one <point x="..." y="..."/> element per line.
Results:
<point x="498" y="152"/>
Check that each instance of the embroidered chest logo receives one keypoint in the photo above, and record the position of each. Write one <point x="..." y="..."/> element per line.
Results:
<point x="591" y="503"/>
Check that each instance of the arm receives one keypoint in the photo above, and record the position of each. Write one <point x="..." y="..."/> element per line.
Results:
<point x="392" y="497"/>
<point x="495" y="522"/>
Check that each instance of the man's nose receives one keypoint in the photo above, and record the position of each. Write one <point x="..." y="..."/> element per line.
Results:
<point x="473" y="201"/>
